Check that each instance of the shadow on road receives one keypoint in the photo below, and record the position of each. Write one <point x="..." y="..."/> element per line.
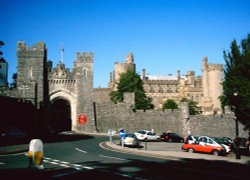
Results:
<point x="194" y="169"/>
<point x="49" y="138"/>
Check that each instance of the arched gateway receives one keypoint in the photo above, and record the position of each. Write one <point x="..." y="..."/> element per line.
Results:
<point x="64" y="94"/>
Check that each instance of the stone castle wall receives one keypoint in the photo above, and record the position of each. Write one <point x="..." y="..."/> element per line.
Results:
<point x="76" y="87"/>
<point x="121" y="115"/>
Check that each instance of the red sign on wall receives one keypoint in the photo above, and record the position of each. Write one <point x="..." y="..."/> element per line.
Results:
<point x="82" y="119"/>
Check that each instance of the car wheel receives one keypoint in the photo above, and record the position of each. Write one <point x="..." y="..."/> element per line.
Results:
<point x="215" y="152"/>
<point x="191" y="150"/>
<point x="170" y="140"/>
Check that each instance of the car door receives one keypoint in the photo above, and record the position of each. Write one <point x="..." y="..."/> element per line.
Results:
<point x="203" y="145"/>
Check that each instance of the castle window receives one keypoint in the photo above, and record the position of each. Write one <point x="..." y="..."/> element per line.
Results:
<point x="84" y="73"/>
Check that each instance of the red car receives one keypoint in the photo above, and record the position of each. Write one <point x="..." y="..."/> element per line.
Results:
<point x="204" y="148"/>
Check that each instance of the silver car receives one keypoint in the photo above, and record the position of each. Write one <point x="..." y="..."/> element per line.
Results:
<point x="131" y="140"/>
<point x="145" y="135"/>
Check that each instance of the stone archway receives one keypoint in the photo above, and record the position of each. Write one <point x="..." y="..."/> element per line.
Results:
<point x="63" y="99"/>
<point x="61" y="115"/>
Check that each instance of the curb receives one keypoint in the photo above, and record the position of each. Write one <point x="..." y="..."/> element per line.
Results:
<point x="172" y="155"/>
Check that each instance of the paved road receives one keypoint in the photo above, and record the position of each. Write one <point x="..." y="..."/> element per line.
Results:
<point x="79" y="157"/>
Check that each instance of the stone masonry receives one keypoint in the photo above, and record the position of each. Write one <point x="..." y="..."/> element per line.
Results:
<point x="43" y="85"/>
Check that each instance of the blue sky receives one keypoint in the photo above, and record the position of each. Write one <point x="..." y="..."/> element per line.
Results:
<point x="164" y="35"/>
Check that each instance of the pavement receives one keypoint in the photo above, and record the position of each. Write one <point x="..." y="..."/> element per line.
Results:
<point x="152" y="152"/>
<point x="175" y="155"/>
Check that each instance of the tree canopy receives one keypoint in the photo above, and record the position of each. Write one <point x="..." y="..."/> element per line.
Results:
<point x="236" y="82"/>
<point x="170" y="104"/>
<point x="131" y="82"/>
<point x="192" y="106"/>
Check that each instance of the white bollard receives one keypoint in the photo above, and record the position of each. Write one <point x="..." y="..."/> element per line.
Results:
<point x="36" y="154"/>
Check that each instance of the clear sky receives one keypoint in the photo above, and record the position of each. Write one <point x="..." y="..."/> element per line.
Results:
<point x="164" y="35"/>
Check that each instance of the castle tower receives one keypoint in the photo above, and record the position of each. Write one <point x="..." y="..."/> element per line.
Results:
<point x="31" y="73"/>
<point x="83" y="74"/>
<point x="190" y="78"/>
<point x="124" y="67"/>
<point x="212" y="88"/>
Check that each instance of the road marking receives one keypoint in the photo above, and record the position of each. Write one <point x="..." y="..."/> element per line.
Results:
<point x="113" y="157"/>
<point x="80" y="150"/>
<point x="16" y="154"/>
<point x="1" y="163"/>
<point x="65" y="164"/>
<point x="79" y="167"/>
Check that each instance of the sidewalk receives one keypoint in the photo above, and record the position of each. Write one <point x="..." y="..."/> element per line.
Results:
<point x="177" y="155"/>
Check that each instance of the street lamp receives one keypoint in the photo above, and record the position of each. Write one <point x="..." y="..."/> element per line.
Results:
<point x="235" y="118"/>
<point x="237" y="139"/>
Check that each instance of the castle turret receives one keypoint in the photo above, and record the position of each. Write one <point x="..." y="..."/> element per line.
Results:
<point x="124" y="67"/>
<point x="32" y="73"/>
<point x="83" y="74"/>
<point x="190" y="78"/>
<point x="212" y="88"/>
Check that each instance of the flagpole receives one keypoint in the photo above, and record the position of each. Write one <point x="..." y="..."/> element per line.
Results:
<point x="62" y="51"/>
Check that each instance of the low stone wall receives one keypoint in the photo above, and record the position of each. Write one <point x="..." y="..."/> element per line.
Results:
<point x="121" y="115"/>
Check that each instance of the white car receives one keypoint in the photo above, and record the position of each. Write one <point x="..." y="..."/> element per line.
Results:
<point x="144" y="135"/>
<point x="212" y="141"/>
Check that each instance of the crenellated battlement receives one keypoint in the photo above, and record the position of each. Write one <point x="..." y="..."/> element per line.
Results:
<point x="84" y="57"/>
<point x="37" y="49"/>
<point x="215" y="67"/>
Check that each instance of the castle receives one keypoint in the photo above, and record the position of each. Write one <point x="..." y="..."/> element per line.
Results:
<point x="66" y="94"/>
<point x="204" y="90"/>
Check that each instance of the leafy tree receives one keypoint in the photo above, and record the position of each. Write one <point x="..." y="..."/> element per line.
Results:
<point x="14" y="81"/>
<point x="170" y="104"/>
<point x="131" y="82"/>
<point x="192" y="106"/>
<point x="236" y="82"/>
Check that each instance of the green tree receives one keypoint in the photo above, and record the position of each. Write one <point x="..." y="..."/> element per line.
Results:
<point x="236" y="82"/>
<point x="14" y="81"/>
<point x="192" y="106"/>
<point x="131" y="82"/>
<point x="170" y="104"/>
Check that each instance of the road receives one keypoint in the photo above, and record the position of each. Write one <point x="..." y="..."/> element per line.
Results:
<point x="79" y="157"/>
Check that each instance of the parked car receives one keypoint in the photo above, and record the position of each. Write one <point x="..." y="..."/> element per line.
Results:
<point x="13" y="132"/>
<point x="171" y="137"/>
<point x="191" y="139"/>
<point x="205" y="144"/>
<point x="144" y="135"/>
<point x="248" y="146"/>
<point x="131" y="140"/>
<point x="227" y="141"/>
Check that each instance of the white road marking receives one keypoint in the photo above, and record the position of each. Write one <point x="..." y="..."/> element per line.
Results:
<point x="13" y="154"/>
<point x="65" y="164"/>
<point x="1" y="163"/>
<point x="113" y="157"/>
<point x="79" y="167"/>
<point x="80" y="150"/>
